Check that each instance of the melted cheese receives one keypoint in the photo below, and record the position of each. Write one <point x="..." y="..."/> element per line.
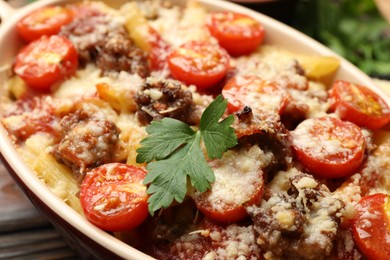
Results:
<point x="238" y="175"/>
<point x="322" y="144"/>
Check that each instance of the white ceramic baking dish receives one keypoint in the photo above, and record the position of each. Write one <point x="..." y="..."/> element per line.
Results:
<point x="87" y="239"/>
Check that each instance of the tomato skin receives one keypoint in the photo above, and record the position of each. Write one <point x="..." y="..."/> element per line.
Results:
<point x="200" y="63"/>
<point x="360" y="105"/>
<point x="38" y="115"/>
<point x="252" y="91"/>
<point x="238" y="33"/>
<point x="371" y="233"/>
<point x="45" y="61"/>
<point x="159" y="52"/>
<point x="113" y="197"/>
<point x="45" y="21"/>
<point x="230" y="213"/>
<point x="329" y="147"/>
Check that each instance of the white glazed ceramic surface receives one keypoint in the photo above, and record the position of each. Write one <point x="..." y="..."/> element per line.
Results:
<point x="384" y="8"/>
<point x="94" y="240"/>
<point x="253" y="1"/>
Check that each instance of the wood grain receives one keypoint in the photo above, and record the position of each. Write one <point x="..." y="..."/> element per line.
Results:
<point x="34" y="244"/>
<point x="24" y="232"/>
<point x="16" y="211"/>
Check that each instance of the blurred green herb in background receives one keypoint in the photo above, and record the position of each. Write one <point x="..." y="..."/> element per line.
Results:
<point x="353" y="28"/>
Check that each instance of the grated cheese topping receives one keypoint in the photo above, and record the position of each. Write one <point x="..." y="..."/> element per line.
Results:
<point x="238" y="175"/>
<point x="299" y="215"/>
<point x="323" y="143"/>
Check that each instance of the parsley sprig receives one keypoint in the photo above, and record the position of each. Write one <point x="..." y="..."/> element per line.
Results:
<point x="173" y="152"/>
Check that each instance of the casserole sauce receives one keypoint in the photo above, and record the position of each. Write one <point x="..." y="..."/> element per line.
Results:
<point x="308" y="176"/>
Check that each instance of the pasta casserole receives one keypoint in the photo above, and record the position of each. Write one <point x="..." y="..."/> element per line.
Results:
<point x="182" y="132"/>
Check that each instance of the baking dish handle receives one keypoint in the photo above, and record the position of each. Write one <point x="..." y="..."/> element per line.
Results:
<point x="5" y="10"/>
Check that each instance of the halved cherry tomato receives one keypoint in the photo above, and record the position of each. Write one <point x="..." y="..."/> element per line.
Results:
<point x="371" y="227"/>
<point x="45" y="21"/>
<point x="200" y="63"/>
<point x="360" y="105"/>
<point x="160" y="50"/>
<point x="238" y="33"/>
<point x="254" y="92"/>
<point x="113" y="197"/>
<point x="227" y="212"/>
<point x="329" y="147"/>
<point x="234" y="189"/>
<point x="33" y="115"/>
<point x="45" y="61"/>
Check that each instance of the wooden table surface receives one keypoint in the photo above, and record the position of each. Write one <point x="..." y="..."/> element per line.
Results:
<point x="24" y="232"/>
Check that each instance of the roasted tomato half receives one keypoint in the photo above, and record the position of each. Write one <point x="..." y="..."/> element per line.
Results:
<point x="256" y="93"/>
<point x="45" y="61"/>
<point x="113" y="197"/>
<point x="159" y="52"/>
<point x="238" y="33"/>
<point x="45" y="21"/>
<point x="329" y="147"/>
<point x="200" y="63"/>
<point x="239" y="183"/>
<point x="360" y="105"/>
<point x="371" y="227"/>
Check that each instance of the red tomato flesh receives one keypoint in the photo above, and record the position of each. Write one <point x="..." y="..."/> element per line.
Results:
<point x="45" y="21"/>
<point x="360" y="105"/>
<point x="230" y="194"/>
<point x="159" y="52"/>
<point x="38" y="115"/>
<point x="238" y="33"/>
<point x="200" y="63"/>
<point x="371" y="228"/>
<point x="329" y="147"/>
<point x="45" y="61"/>
<point x="113" y="197"/>
<point x="228" y="213"/>
<point x="256" y="93"/>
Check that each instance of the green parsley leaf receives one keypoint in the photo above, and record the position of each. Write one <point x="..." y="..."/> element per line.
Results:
<point x="169" y="177"/>
<point x="164" y="138"/>
<point x="217" y="136"/>
<point x="173" y="152"/>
